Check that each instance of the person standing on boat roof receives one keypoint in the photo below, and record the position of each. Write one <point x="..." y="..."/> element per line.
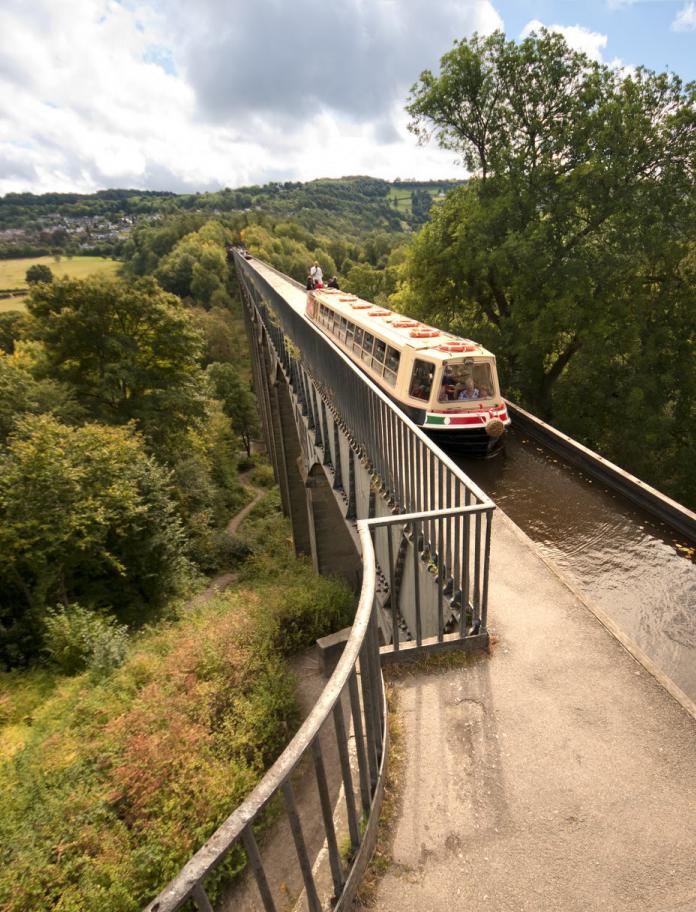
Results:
<point x="317" y="275"/>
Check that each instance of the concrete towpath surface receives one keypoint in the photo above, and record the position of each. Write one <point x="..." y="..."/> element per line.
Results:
<point x="555" y="773"/>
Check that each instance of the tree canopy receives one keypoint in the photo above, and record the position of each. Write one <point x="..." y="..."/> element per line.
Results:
<point x="129" y="351"/>
<point x="570" y="252"/>
<point x="85" y="515"/>
<point x="39" y="272"/>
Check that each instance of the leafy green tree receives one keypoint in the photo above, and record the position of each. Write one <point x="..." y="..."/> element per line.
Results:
<point x="86" y="516"/>
<point x="22" y="393"/>
<point x="421" y="203"/>
<point x="238" y="402"/>
<point x="129" y="351"/>
<point x="565" y="253"/>
<point x="39" y="272"/>
<point x="197" y="266"/>
<point x="224" y="337"/>
<point x="12" y="327"/>
<point x="364" y="281"/>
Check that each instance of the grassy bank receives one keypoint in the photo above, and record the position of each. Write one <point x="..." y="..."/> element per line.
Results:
<point x="109" y="785"/>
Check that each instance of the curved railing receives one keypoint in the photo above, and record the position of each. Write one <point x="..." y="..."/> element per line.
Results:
<point x="441" y="514"/>
<point x="356" y="683"/>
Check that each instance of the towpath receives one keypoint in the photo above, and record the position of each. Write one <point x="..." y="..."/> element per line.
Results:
<point x="555" y="775"/>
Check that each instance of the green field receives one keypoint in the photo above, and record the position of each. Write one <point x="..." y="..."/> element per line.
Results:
<point x="14" y="303"/>
<point x="403" y="195"/>
<point x="12" y="272"/>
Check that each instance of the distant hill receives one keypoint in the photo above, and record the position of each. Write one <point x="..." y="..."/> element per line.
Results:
<point x="37" y="224"/>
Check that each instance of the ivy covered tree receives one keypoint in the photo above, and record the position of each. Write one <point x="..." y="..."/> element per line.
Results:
<point x="569" y="252"/>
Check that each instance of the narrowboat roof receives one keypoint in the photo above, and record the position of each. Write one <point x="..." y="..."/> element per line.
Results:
<point x="385" y="323"/>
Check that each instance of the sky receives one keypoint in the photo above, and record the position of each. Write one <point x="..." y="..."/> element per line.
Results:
<point x="195" y="96"/>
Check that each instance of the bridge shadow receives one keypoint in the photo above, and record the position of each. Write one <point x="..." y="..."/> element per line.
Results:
<point x="454" y="789"/>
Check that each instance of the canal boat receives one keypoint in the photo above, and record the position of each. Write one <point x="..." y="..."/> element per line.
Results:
<point x="447" y="385"/>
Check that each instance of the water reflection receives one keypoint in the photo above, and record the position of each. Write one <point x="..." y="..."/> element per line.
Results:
<point x="637" y="570"/>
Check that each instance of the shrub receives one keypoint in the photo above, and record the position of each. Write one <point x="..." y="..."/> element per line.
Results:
<point x="120" y="781"/>
<point x="301" y="609"/>
<point x="263" y="476"/>
<point x="77" y="638"/>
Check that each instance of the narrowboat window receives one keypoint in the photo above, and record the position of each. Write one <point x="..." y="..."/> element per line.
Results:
<point x="391" y="367"/>
<point x="393" y="358"/>
<point x="344" y="324"/>
<point x="350" y="332"/>
<point x="368" y="341"/>
<point x="469" y="379"/>
<point x="380" y="351"/>
<point x="357" y="345"/>
<point x="421" y="379"/>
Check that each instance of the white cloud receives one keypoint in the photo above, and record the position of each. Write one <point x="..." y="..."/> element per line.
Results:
<point x="685" y="20"/>
<point x="577" y="36"/>
<point x="97" y="93"/>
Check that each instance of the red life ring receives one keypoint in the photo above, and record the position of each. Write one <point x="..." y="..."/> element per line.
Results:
<point x="404" y="324"/>
<point x="424" y="333"/>
<point x="348" y="298"/>
<point x="360" y="305"/>
<point x="379" y="313"/>
<point x="457" y="347"/>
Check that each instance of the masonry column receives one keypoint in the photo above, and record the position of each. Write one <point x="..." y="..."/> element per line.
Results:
<point x="334" y="552"/>
<point x="289" y="463"/>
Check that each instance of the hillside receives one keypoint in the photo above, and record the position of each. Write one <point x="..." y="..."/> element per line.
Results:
<point x="99" y="223"/>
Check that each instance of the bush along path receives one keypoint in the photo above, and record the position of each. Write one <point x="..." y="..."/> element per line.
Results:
<point x="224" y="580"/>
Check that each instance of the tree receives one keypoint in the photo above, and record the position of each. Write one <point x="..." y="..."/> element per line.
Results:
<point x="129" y="351"/>
<point x="421" y="204"/>
<point x="85" y="516"/>
<point x="39" y="272"/>
<point x="238" y="402"/>
<point x="21" y="393"/>
<point x="12" y="327"/>
<point x="197" y="266"/>
<point x="565" y="253"/>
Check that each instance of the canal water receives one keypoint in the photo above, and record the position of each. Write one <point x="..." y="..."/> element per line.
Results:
<point x="638" y="570"/>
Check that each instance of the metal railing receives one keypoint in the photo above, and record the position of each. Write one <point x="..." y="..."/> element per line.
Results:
<point x="357" y="682"/>
<point x="437" y="517"/>
<point x="414" y="474"/>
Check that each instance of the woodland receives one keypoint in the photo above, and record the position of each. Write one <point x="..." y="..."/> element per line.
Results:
<point x="127" y="423"/>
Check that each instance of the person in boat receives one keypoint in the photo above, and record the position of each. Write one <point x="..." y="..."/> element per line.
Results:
<point x="448" y="386"/>
<point x="332" y="283"/>
<point x="310" y="283"/>
<point x="317" y="275"/>
<point x="470" y="390"/>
